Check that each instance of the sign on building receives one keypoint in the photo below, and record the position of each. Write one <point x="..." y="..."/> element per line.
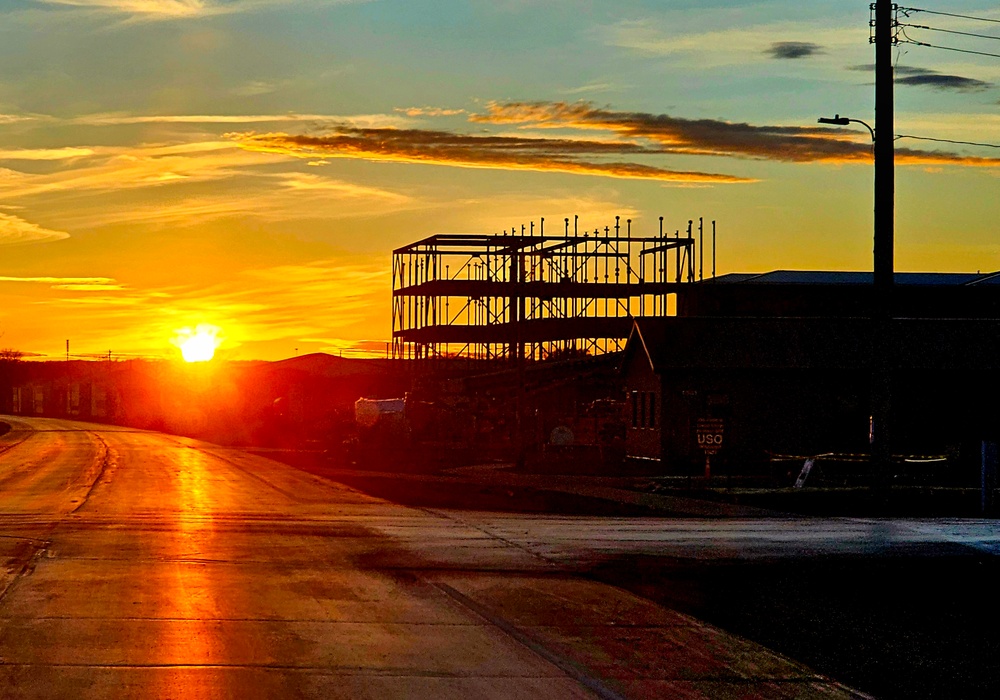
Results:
<point x="710" y="432"/>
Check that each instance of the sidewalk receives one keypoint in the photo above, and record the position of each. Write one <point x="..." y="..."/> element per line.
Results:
<point x="618" y="645"/>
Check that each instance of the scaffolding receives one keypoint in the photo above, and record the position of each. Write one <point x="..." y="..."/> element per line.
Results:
<point x="527" y="295"/>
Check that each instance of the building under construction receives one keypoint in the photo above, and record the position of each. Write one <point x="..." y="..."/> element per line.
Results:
<point x="533" y="295"/>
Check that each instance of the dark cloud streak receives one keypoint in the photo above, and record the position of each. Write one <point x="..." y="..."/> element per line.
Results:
<point x="714" y="137"/>
<point x="624" y="137"/>
<point x="940" y="81"/>
<point x="925" y="77"/>
<point x="676" y="135"/>
<point x="793" y="49"/>
<point x="580" y="156"/>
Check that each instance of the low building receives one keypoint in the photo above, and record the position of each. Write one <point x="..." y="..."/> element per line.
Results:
<point x="752" y="367"/>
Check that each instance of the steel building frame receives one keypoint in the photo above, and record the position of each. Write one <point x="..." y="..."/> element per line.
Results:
<point x="524" y="296"/>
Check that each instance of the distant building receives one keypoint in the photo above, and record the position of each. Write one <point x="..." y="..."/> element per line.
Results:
<point x="755" y="365"/>
<point x="73" y="389"/>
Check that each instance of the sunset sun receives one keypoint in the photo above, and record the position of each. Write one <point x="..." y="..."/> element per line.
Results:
<point x="198" y="344"/>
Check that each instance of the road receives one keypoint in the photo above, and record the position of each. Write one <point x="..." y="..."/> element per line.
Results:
<point x="144" y="565"/>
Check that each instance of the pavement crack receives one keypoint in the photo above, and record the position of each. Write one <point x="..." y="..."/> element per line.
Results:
<point x="21" y="564"/>
<point x="493" y="535"/>
<point x="108" y="461"/>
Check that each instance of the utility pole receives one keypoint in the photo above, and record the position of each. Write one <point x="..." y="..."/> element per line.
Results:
<point x="884" y="156"/>
<point x="883" y="250"/>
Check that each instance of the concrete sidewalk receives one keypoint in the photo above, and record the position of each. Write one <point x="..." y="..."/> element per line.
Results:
<point x="618" y="645"/>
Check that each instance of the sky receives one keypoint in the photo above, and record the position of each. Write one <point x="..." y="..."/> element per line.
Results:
<point x="251" y="164"/>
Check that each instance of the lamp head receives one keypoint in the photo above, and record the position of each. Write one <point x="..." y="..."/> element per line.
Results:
<point x="837" y="119"/>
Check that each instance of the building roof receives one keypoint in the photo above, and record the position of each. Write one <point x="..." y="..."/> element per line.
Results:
<point x="822" y="277"/>
<point x="813" y="343"/>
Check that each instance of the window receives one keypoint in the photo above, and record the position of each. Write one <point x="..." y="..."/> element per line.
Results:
<point x="644" y="409"/>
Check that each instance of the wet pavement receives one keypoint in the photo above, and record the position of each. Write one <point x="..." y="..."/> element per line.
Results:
<point x="144" y="565"/>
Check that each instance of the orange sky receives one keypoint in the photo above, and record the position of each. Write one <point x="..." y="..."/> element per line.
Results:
<point x="251" y="164"/>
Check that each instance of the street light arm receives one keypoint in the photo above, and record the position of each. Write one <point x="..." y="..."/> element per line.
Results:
<point x="871" y="130"/>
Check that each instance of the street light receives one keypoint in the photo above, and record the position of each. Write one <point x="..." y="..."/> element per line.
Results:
<point x="844" y="121"/>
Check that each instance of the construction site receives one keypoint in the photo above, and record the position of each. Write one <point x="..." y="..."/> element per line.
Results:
<point x="515" y="337"/>
<point x="525" y="294"/>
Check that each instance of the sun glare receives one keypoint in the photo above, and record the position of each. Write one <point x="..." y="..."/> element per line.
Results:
<point x="198" y="344"/>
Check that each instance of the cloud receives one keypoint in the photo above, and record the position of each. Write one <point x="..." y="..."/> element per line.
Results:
<point x="14" y="231"/>
<point x="714" y="137"/>
<point x="429" y="111"/>
<point x="75" y="284"/>
<point x="594" y="87"/>
<point x="254" y="88"/>
<point x="45" y="153"/>
<point x="595" y="208"/>
<point x="307" y="182"/>
<point x="578" y="156"/>
<point x="715" y="48"/>
<point x="360" y="120"/>
<point x="678" y="135"/>
<point x="167" y="9"/>
<point x="287" y="196"/>
<point x="925" y="77"/>
<point x="940" y="81"/>
<point x="793" y="49"/>
<point x="179" y="9"/>
<point x="61" y="280"/>
<point x="119" y="168"/>
<point x="6" y="119"/>
<point x="89" y="287"/>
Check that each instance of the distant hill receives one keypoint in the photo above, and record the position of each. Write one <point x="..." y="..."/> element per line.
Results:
<point x="325" y="365"/>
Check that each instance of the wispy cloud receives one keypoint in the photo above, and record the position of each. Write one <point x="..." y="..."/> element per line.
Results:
<point x="45" y="153"/>
<point x="725" y="47"/>
<point x="793" y="49"/>
<point x="119" y="168"/>
<point x="577" y="156"/>
<point x="593" y="87"/>
<point x="14" y="231"/>
<point x="253" y="88"/>
<point x="66" y="282"/>
<point x="167" y="9"/>
<point x="73" y="284"/>
<point x="179" y="9"/>
<point x="254" y="195"/>
<point x="359" y="120"/>
<point x="6" y="119"/>
<point x="307" y="182"/>
<point x="429" y="111"/>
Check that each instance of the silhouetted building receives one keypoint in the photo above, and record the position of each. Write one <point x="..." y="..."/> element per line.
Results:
<point x="781" y="363"/>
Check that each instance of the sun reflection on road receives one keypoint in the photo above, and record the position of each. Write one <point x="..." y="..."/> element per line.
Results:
<point x="191" y="637"/>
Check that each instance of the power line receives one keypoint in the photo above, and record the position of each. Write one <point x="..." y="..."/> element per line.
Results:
<point x="964" y="143"/>
<point x="947" y="48"/>
<point x="904" y="10"/>
<point x="950" y="31"/>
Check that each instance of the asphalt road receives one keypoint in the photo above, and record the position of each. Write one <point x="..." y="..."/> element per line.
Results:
<point x="144" y="565"/>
